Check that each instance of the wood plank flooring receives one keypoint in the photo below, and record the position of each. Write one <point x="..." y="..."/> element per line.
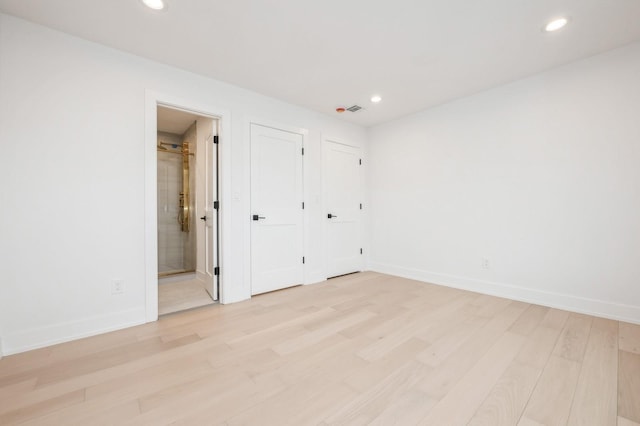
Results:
<point x="360" y="349"/>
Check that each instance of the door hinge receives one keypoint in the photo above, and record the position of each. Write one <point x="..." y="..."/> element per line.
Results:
<point x="360" y="251"/>
<point x="216" y="270"/>
<point x="303" y="205"/>
<point x="360" y="206"/>
<point x="302" y="150"/>
<point x="360" y="161"/>
<point x="303" y="259"/>
<point x="216" y="205"/>
<point x="215" y="139"/>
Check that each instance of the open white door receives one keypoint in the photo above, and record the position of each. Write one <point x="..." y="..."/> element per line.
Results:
<point x="343" y="198"/>
<point x="276" y="209"/>
<point x="207" y="160"/>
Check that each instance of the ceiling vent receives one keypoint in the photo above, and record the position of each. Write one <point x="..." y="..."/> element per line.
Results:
<point x="354" y="108"/>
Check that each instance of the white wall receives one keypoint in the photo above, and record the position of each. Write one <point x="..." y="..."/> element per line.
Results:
<point x="72" y="128"/>
<point x="540" y="177"/>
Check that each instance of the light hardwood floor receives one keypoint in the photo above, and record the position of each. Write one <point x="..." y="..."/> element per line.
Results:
<point x="361" y="349"/>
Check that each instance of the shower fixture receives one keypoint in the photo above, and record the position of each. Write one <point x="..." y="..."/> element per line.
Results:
<point x="185" y="195"/>
<point x="173" y="148"/>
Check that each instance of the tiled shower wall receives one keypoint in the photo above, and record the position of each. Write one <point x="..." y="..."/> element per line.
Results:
<point x="175" y="248"/>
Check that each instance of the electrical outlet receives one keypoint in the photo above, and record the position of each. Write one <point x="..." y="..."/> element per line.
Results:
<point x="485" y="263"/>
<point x="117" y="287"/>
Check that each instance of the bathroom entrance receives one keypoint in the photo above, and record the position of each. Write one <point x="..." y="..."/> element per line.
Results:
<point x="187" y="210"/>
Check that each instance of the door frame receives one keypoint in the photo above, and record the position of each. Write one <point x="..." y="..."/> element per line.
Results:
<point x="325" y="230"/>
<point x="247" y="190"/>
<point x="195" y="106"/>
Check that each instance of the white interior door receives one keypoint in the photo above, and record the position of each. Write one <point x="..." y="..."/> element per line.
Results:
<point x="276" y="209"/>
<point x="343" y="198"/>
<point x="211" y="222"/>
<point x="206" y="166"/>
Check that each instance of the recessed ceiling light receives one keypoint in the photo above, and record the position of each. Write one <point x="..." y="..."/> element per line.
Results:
<point x="375" y="99"/>
<point x="556" y="24"/>
<point x="155" y="4"/>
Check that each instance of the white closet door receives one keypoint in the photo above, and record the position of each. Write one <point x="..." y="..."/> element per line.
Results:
<point x="343" y="198"/>
<point x="276" y="209"/>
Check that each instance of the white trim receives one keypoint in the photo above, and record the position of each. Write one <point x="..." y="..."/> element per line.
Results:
<point x="152" y="100"/>
<point x="277" y="126"/>
<point x="599" y="308"/>
<point x="178" y="277"/>
<point x="339" y="141"/>
<point x="64" y="332"/>
<point x="315" y="279"/>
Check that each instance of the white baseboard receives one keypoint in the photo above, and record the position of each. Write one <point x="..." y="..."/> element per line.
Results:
<point x="178" y="277"/>
<point x="315" y="277"/>
<point x="59" y="333"/>
<point x="599" y="308"/>
<point x="319" y="281"/>
<point x="236" y="298"/>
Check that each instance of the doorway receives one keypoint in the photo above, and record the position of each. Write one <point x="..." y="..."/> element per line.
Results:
<point x="187" y="220"/>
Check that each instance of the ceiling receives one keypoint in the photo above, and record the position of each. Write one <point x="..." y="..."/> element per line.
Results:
<point x="174" y="120"/>
<point x="323" y="54"/>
